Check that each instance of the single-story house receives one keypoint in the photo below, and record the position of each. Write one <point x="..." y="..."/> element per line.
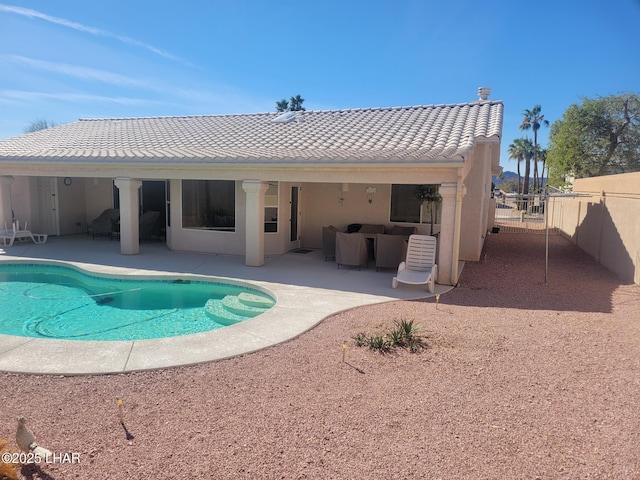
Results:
<point x="264" y="183"/>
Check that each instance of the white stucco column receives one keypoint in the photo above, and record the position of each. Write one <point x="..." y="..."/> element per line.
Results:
<point x="5" y="201"/>
<point x="449" y="241"/>
<point x="129" y="221"/>
<point x="254" y="243"/>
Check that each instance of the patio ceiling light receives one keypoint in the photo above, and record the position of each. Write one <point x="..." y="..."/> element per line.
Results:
<point x="370" y="191"/>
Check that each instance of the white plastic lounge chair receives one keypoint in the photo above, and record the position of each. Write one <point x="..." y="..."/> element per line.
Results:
<point x="7" y="236"/>
<point x="39" y="238"/>
<point x="420" y="266"/>
<point x="24" y="235"/>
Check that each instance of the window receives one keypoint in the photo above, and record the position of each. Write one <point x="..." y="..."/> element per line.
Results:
<point x="415" y="204"/>
<point x="271" y="208"/>
<point x="209" y="205"/>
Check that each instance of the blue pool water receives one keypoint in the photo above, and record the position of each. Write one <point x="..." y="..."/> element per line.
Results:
<point x="50" y="301"/>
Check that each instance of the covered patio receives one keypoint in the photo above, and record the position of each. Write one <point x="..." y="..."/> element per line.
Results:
<point x="263" y="184"/>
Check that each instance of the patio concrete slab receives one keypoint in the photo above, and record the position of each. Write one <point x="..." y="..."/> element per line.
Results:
<point x="65" y="357"/>
<point x="8" y="343"/>
<point x="193" y="349"/>
<point x="307" y="290"/>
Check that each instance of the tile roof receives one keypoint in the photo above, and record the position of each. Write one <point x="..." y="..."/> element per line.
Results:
<point x="368" y="135"/>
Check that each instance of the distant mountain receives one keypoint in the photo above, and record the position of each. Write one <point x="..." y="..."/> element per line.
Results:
<point x="508" y="177"/>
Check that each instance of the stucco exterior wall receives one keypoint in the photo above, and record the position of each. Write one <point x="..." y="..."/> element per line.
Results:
<point x="71" y="201"/>
<point x="99" y="196"/>
<point x="606" y="224"/>
<point x="22" y="199"/>
<point x="323" y="207"/>
<point x="476" y="204"/>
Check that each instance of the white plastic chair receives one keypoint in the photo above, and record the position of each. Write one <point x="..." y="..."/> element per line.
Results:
<point x="420" y="265"/>
<point x="7" y="236"/>
<point x="21" y="235"/>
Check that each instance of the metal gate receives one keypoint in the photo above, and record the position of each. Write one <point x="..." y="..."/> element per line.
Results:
<point x="533" y="213"/>
<point x="524" y="213"/>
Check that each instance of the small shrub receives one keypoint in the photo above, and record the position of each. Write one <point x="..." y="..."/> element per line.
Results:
<point x="415" y="344"/>
<point x="403" y="335"/>
<point x="378" y="342"/>
<point x="360" y="340"/>
<point x="408" y="328"/>
<point x="396" y="337"/>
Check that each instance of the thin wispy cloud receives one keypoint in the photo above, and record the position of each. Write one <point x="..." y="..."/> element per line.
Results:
<point x="75" y="71"/>
<point x="185" y="100"/>
<point x="27" y="96"/>
<point x="116" y="79"/>
<point x="82" y="73"/>
<point x="26" y="12"/>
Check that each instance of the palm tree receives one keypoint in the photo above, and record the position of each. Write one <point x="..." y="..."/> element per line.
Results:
<point x="542" y="156"/>
<point x="533" y="120"/>
<point x="295" y="104"/>
<point x="282" y="105"/>
<point x="514" y="154"/>
<point x="521" y="151"/>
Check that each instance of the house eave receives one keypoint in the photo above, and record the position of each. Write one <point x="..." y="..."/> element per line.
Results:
<point x="114" y="166"/>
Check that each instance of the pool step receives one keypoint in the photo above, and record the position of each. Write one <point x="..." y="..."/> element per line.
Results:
<point x="236" y="308"/>
<point x="235" y="305"/>
<point x="254" y="300"/>
<point x="217" y="311"/>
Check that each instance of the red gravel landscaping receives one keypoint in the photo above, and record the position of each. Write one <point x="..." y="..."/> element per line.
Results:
<point x="517" y="379"/>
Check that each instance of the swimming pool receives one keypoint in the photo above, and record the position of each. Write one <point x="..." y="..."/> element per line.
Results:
<point x="54" y="301"/>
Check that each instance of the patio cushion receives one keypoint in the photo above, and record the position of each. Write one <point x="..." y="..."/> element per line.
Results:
<point x="329" y="242"/>
<point x="148" y="224"/>
<point x="103" y="224"/>
<point x="351" y="249"/>
<point x="390" y="250"/>
<point x="368" y="228"/>
<point x="401" y="230"/>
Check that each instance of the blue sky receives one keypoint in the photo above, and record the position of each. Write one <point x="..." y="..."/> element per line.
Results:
<point x="70" y="59"/>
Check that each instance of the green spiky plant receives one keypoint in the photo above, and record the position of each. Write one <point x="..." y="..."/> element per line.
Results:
<point x="360" y="340"/>
<point x="408" y="328"/>
<point x="396" y="337"/>
<point x="379" y="343"/>
<point x="404" y="334"/>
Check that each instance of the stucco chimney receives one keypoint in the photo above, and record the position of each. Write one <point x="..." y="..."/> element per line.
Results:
<point x="483" y="93"/>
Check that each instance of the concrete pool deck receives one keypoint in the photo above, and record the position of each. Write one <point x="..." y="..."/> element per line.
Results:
<point x="307" y="290"/>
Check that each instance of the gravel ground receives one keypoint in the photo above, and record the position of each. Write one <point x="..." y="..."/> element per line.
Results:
<point x="517" y="380"/>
